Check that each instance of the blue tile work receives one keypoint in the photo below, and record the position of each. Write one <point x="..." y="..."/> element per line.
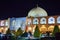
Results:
<point x="11" y="26"/>
<point x="19" y="22"/>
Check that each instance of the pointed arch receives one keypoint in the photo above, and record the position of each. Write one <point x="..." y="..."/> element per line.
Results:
<point x="43" y="21"/>
<point x="35" y="21"/>
<point x="58" y="19"/>
<point x="2" y="23"/>
<point x="51" y="20"/>
<point x="43" y="28"/>
<point x="50" y="28"/>
<point x="6" y="23"/>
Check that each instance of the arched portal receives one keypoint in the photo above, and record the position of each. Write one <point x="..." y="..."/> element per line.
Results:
<point x="43" y="29"/>
<point x="50" y="28"/>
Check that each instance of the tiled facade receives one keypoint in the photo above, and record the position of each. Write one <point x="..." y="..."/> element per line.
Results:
<point x="46" y="23"/>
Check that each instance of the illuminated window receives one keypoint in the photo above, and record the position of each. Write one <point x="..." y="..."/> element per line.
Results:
<point x="58" y="19"/>
<point x="43" y="21"/>
<point x="43" y="28"/>
<point x="51" y="20"/>
<point x="59" y="26"/>
<point x="50" y="28"/>
<point x="2" y="23"/>
<point x="35" y="21"/>
<point x="6" y="23"/>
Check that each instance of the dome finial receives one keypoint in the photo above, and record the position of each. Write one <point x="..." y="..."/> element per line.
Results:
<point x="36" y="5"/>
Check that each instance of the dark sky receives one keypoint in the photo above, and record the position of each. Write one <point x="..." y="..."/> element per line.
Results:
<point x="21" y="8"/>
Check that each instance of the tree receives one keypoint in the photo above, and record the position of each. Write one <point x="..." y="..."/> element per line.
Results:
<point x="56" y="29"/>
<point x="9" y="35"/>
<point x="25" y="34"/>
<point x="19" y="32"/>
<point x="8" y="31"/>
<point x="37" y="32"/>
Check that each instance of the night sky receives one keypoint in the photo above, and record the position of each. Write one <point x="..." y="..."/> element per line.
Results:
<point x="21" y="8"/>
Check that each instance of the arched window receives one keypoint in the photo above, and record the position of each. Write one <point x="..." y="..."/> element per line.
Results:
<point x="6" y="23"/>
<point x="58" y="19"/>
<point x="43" y="21"/>
<point x="43" y="28"/>
<point x="50" y="28"/>
<point x="51" y="20"/>
<point x="35" y="21"/>
<point x="2" y="23"/>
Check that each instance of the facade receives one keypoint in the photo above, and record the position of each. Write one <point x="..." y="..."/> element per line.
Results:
<point x="46" y="23"/>
<point x="4" y="25"/>
<point x="13" y="24"/>
<point x="37" y="16"/>
<point x="16" y="23"/>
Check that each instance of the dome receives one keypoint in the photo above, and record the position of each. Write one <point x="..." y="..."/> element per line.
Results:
<point x="37" y="12"/>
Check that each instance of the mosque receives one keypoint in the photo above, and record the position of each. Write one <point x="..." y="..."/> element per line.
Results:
<point x="36" y="16"/>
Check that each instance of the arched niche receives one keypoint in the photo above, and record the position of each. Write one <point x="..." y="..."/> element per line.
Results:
<point x="43" y="29"/>
<point x="51" y="20"/>
<point x="43" y="21"/>
<point x="51" y="28"/>
<point x="6" y="23"/>
<point x="35" y="21"/>
<point x="58" y="19"/>
<point x="2" y="23"/>
<point x="59" y="26"/>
